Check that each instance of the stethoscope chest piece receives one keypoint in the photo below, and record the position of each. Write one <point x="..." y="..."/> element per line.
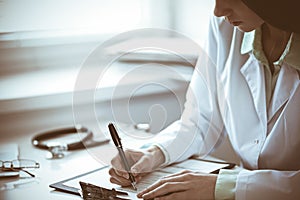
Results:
<point x="56" y="152"/>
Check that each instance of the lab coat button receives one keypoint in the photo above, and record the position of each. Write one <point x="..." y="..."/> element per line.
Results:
<point x="256" y="141"/>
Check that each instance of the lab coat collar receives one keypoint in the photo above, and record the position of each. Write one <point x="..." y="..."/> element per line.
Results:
<point x="287" y="83"/>
<point x="288" y="79"/>
<point x="254" y="76"/>
<point x="292" y="57"/>
<point x="251" y="43"/>
<point x="247" y="43"/>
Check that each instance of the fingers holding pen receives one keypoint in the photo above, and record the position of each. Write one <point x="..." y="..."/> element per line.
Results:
<point x="118" y="167"/>
<point x="121" y="177"/>
<point x="118" y="179"/>
<point x="122" y="180"/>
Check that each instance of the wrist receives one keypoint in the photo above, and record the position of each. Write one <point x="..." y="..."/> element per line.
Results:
<point x="156" y="153"/>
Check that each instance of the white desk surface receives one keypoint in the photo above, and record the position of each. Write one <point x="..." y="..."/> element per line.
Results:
<point x="51" y="171"/>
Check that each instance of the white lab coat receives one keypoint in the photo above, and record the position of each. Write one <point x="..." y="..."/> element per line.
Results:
<point x="227" y="95"/>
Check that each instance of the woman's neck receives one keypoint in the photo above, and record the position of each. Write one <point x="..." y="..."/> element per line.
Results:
<point x="274" y="41"/>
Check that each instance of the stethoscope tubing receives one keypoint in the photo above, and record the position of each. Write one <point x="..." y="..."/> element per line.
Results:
<point x="39" y="139"/>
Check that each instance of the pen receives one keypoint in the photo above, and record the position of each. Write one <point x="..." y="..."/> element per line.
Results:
<point x="117" y="140"/>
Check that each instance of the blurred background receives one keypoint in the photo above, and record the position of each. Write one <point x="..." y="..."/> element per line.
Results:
<point x="44" y="43"/>
<point x="47" y="40"/>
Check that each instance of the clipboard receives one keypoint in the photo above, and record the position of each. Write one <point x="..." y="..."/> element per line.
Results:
<point x="62" y="187"/>
<point x="72" y="186"/>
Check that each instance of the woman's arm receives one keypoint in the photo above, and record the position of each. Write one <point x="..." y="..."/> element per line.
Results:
<point x="268" y="184"/>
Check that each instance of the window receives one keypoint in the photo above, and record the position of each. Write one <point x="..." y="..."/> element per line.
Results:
<point x="43" y="43"/>
<point x="69" y="15"/>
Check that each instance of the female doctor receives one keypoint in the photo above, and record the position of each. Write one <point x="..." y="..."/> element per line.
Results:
<point x="247" y="88"/>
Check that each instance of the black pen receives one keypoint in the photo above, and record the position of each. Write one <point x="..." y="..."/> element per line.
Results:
<point x="117" y="140"/>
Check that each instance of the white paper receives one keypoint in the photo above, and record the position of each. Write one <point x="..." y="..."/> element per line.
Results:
<point x="101" y="177"/>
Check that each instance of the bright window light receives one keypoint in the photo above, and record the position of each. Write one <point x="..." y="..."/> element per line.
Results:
<point x="65" y="15"/>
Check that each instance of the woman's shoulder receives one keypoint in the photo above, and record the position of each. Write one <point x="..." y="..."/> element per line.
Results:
<point x="219" y="24"/>
<point x="222" y="34"/>
<point x="224" y="29"/>
<point x="223" y="39"/>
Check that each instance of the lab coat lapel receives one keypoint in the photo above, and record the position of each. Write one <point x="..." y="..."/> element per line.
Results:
<point x="254" y="76"/>
<point x="287" y="83"/>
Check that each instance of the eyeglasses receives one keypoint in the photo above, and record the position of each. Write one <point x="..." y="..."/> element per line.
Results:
<point x="19" y="165"/>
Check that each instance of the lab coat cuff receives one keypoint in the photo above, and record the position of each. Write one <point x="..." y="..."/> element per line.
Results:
<point x="226" y="184"/>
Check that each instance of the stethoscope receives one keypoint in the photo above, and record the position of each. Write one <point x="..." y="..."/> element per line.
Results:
<point x="57" y="150"/>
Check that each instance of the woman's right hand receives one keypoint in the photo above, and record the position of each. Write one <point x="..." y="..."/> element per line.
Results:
<point x="141" y="162"/>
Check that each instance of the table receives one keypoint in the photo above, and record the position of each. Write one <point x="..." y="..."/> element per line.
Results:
<point x="50" y="171"/>
<point x="19" y="128"/>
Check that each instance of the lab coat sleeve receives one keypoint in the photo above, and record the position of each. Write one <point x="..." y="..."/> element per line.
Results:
<point x="200" y="126"/>
<point x="258" y="184"/>
<point x="268" y="184"/>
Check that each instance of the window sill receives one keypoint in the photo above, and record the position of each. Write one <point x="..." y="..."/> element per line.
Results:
<point x="48" y="88"/>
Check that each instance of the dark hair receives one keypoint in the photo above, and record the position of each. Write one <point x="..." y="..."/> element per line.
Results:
<point x="284" y="15"/>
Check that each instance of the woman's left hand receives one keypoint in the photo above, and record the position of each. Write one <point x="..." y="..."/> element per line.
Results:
<point x="183" y="185"/>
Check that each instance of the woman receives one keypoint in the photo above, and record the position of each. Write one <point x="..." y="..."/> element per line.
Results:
<point x="252" y="93"/>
